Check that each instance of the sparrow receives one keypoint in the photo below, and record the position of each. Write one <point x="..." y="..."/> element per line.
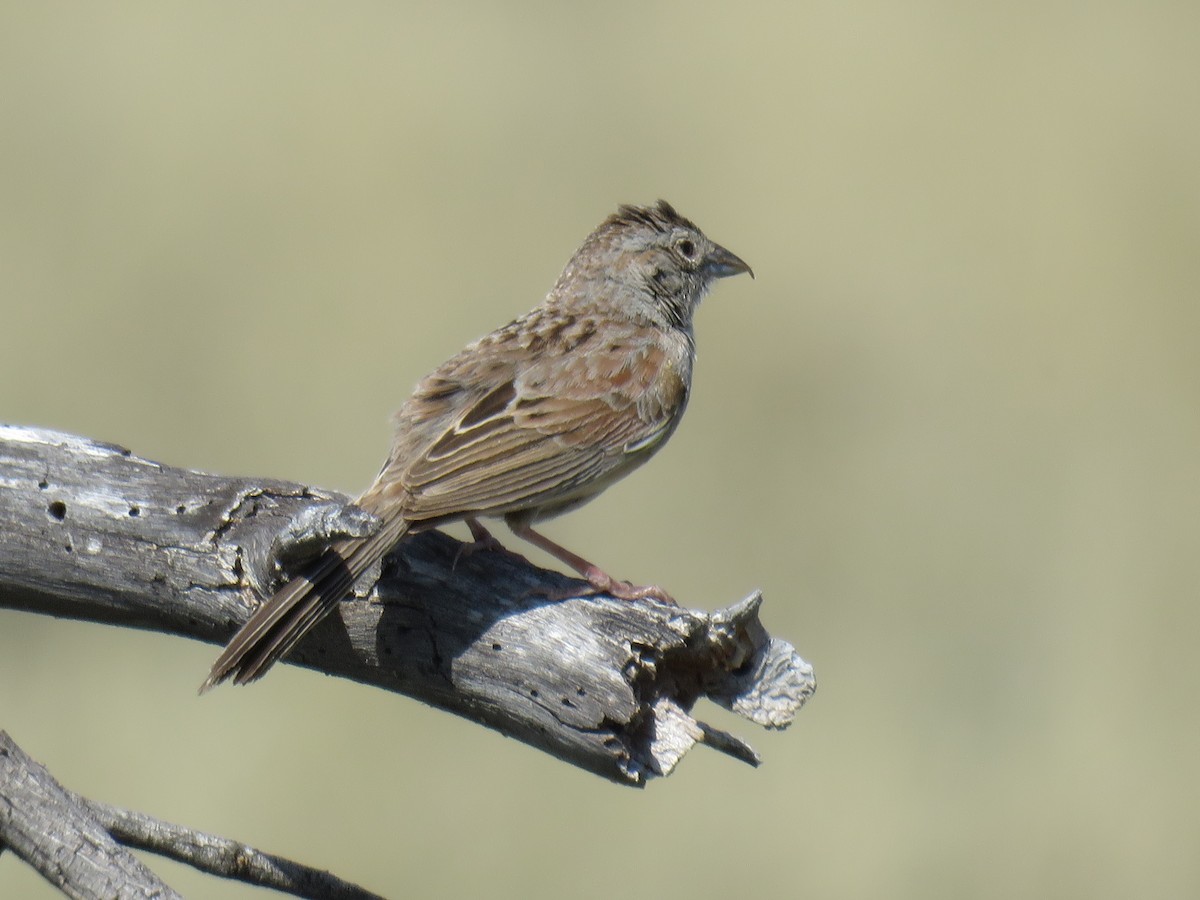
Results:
<point x="528" y="422"/>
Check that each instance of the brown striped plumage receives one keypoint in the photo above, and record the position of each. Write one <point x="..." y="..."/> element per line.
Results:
<point x="532" y="420"/>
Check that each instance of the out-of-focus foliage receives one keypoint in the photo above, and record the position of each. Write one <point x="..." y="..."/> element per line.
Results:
<point x="951" y="429"/>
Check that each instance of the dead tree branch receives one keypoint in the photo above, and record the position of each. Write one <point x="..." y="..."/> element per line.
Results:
<point x="75" y="843"/>
<point x="89" y="531"/>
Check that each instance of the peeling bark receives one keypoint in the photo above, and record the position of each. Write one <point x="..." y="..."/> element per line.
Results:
<point x="89" y="531"/>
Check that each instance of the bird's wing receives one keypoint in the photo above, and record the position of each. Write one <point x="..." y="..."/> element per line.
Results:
<point x="535" y="430"/>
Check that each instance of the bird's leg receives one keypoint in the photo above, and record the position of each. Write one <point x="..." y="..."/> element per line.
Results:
<point x="481" y="539"/>
<point x="601" y="581"/>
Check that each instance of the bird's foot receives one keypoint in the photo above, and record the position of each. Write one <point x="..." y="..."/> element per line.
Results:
<point x="482" y="540"/>
<point x="603" y="583"/>
<point x="600" y="582"/>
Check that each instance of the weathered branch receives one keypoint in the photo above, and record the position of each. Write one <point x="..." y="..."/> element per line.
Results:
<point x="91" y="532"/>
<point x="74" y="843"/>
<point x="55" y="834"/>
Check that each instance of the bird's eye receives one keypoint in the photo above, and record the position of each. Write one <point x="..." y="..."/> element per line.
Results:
<point x="687" y="248"/>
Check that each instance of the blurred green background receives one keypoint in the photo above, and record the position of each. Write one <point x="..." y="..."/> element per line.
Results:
<point x="951" y="429"/>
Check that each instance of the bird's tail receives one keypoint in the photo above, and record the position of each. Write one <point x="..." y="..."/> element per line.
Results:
<point x="295" y="609"/>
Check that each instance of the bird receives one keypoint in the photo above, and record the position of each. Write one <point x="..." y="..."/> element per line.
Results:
<point x="529" y="421"/>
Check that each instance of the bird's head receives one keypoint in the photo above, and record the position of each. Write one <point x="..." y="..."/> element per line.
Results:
<point x="649" y="260"/>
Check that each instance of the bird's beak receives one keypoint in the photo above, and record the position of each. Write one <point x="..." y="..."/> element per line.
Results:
<point x="720" y="263"/>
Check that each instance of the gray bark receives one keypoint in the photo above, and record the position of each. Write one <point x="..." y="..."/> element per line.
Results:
<point x="74" y="843"/>
<point x="89" y="531"/>
<point x="54" y="833"/>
